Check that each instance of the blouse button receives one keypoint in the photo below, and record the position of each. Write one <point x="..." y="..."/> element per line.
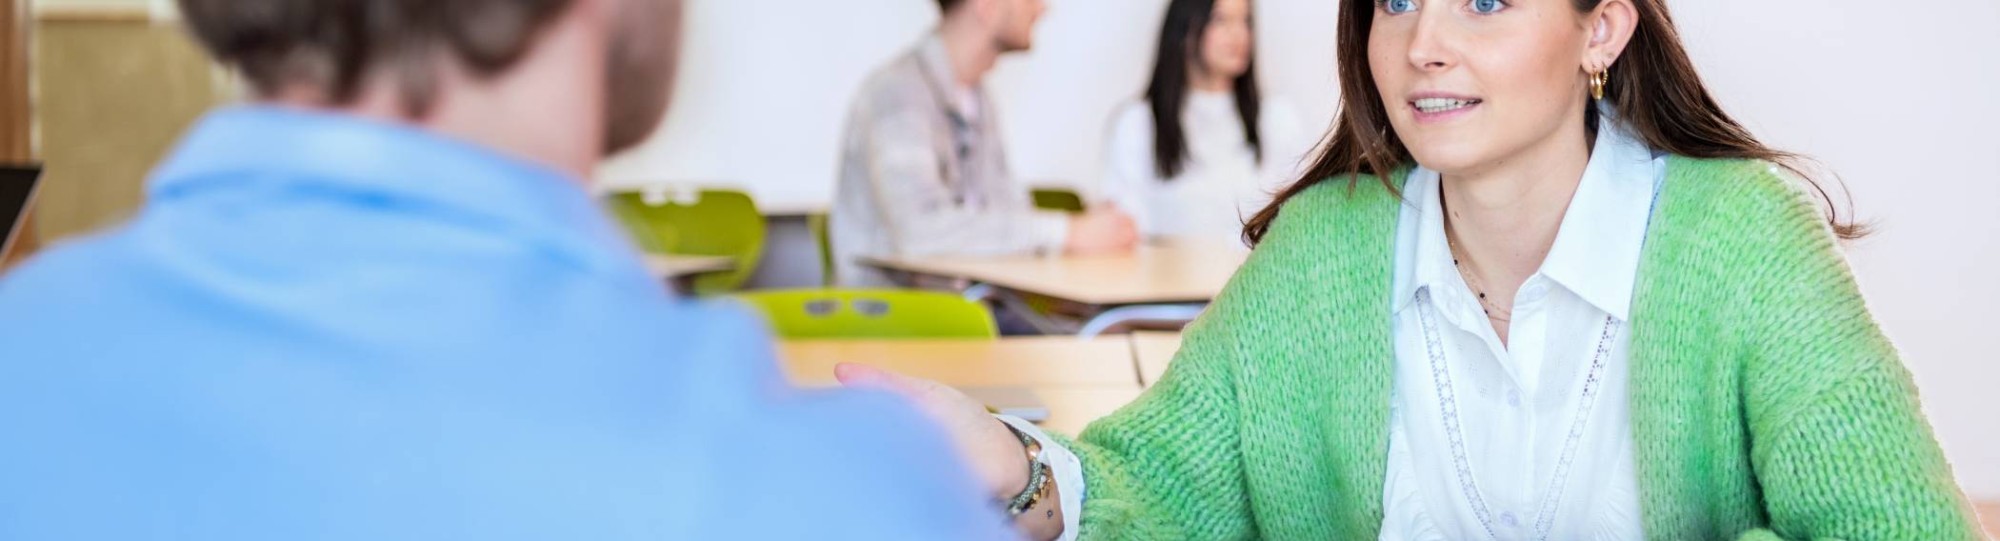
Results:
<point x="1514" y="399"/>
<point x="1509" y="520"/>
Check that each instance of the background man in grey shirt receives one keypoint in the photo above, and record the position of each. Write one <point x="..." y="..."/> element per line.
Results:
<point x="923" y="170"/>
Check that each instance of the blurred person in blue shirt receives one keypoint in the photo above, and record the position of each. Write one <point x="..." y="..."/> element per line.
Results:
<point x="379" y="303"/>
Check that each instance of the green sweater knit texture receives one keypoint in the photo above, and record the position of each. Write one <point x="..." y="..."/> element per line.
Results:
<point x="1766" y="402"/>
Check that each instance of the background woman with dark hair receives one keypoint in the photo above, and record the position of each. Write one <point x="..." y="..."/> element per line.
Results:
<point x="1203" y="149"/>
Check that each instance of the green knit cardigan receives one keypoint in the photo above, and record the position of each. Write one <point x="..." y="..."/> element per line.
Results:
<point x="1766" y="403"/>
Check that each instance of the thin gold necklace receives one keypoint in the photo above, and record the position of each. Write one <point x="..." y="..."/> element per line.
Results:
<point x="1493" y="310"/>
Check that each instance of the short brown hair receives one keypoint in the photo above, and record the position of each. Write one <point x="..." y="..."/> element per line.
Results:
<point x="947" y="5"/>
<point x="333" y="45"/>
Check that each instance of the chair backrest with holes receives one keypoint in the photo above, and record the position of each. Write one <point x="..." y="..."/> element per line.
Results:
<point x="816" y="223"/>
<point x="871" y="313"/>
<point x="713" y="222"/>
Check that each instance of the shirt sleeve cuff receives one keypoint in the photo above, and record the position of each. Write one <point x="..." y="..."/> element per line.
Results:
<point x="1066" y="470"/>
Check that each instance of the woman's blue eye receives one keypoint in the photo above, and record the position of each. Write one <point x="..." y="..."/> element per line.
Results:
<point x="1488" y="7"/>
<point x="1397" y="7"/>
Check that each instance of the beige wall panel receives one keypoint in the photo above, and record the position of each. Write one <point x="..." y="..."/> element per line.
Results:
<point x="113" y="94"/>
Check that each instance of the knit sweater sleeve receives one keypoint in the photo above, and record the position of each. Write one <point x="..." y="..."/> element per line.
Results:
<point x="1168" y="465"/>
<point x="1839" y="443"/>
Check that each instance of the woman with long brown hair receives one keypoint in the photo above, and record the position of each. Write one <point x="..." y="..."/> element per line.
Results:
<point x="1204" y="147"/>
<point x="1537" y="285"/>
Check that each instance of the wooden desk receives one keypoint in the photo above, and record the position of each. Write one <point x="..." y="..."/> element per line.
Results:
<point x="1173" y="271"/>
<point x="1079" y="380"/>
<point x="1151" y="351"/>
<point x="779" y="208"/>
<point x="681" y="266"/>
<point x="1036" y="361"/>
<point x="1072" y="408"/>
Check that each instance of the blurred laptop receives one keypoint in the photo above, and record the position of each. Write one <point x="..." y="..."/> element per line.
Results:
<point x="17" y="190"/>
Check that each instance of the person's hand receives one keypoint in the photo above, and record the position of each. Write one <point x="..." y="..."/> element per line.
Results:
<point x="992" y="451"/>
<point x="1102" y="229"/>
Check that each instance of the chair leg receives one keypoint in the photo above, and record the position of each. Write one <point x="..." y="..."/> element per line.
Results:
<point x="1041" y="323"/>
<point x="980" y="292"/>
<point x="1181" y="313"/>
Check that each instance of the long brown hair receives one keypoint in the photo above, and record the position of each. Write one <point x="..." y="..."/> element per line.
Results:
<point x="1653" y="87"/>
<point x="1166" y="96"/>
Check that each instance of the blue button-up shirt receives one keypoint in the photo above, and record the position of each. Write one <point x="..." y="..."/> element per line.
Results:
<point x="322" y="327"/>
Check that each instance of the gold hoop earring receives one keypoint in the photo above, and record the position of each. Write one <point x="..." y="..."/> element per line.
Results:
<point x="1597" y="81"/>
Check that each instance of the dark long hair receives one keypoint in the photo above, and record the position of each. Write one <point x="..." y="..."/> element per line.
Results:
<point x="1180" y="46"/>
<point x="1653" y="87"/>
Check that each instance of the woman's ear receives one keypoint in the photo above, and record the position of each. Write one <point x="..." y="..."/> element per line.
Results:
<point x="1611" y="26"/>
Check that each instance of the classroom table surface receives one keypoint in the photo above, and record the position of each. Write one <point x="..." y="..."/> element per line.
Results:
<point x="678" y="266"/>
<point x="1072" y="408"/>
<point x="776" y="208"/>
<point x="1035" y="361"/>
<point x="1152" y="350"/>
<point x="1159" y="272"/>
<point x="1079" y="380"/>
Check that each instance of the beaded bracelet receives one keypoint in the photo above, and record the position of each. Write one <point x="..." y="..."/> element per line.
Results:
<point x="1038" y="475"/>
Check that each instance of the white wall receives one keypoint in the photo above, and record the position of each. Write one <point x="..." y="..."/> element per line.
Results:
<point x="1901" y="99"/>
<point x="763" y="94"/>
<point x="764" y="97"/>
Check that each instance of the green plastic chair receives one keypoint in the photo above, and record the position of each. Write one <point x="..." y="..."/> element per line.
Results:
<point x="871" y="313"/>
<point x="1058" y="199"/>
<point x="716" y="223"/>
<point x="816" y="222"/>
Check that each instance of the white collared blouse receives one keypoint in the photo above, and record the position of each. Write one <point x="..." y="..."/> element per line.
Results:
<point x="1532" y="440"/>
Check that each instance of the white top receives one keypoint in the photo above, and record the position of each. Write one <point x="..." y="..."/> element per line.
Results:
<point x="1532" y="440"/>
<point x="1221" y="183"/>
<point x="1543" y="429"/>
